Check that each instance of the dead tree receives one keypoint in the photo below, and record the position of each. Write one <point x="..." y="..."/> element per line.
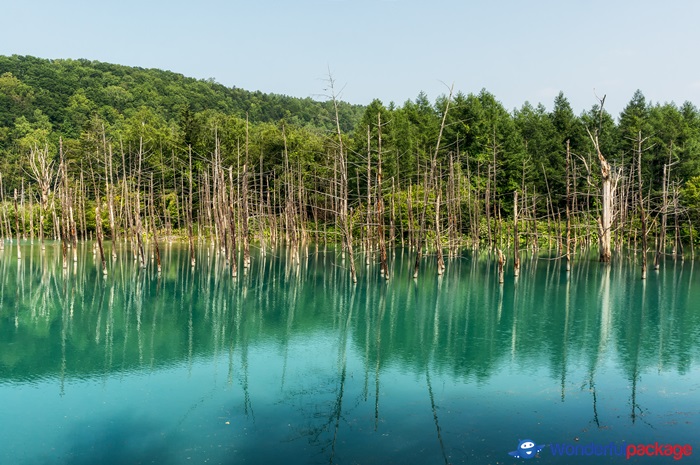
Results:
<point x="438" y="241"/>
<point x="244" y="219"/>
<point x="109" y="188"/>
<point x="291" y="236"/>
<point x="154" y="230"/>
<point x="433" y="166"/>
<point x="568" y="205"/>
<point x="24" y="212"/>
<point x="42" y="171"/>
<point x="661" y="242"/>
<point x="17" y="232"/>
<point x="411" y="222"/>
<point x="516" y="237"/>
<point x="3" y="221"/>
<point x="31" y="215"/>
<point x="607" y="188"/>
<point x="63" y="175"/>
<point x="98" y="222"/>
<point x="188" y="215"/>
<point x="677" y="243"/>
<point x="342" y="162"/>
<point x="452" y="207"/>
<point x="501" y="265"/>
<point x="137" y="209"/>
<point x="368" y="243"/>
<point x="261" y="213"/>
<point x="380" y="202"/>
<point x="473" y="209"/>
<point x="640" y="197"/>
<point x="98" y="234"/>
<point x="244" y="194"/>
<point x="232" y="226"/>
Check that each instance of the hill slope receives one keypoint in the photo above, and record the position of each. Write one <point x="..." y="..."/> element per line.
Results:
<point x="54" y="86"/>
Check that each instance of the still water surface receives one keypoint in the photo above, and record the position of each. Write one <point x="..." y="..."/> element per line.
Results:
<point x="294" y="364"/>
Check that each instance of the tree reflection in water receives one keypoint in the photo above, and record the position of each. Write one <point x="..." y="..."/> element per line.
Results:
<point x="315" y="365"/>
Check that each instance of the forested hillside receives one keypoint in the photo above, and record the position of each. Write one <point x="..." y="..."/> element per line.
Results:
<point x="157" y="148"/>
<point x="68" y="91"/>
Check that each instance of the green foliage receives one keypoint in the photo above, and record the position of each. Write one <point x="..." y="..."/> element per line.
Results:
<point x="543" y="163"/>
<point x="690" y="195"/>
<point x="16" y="99"/>
<point x="132" y="125"/>
<point x="69" y="91"/>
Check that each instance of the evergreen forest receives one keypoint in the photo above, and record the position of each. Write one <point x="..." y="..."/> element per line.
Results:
<point x="104" y="152"/>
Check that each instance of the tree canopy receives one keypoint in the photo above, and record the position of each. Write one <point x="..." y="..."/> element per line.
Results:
<point x="99" y="108"/>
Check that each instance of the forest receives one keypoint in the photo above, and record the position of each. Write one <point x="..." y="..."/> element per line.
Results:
<point x="96" y="151"/>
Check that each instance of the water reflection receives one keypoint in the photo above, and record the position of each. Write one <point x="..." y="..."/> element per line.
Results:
<point x="462" y="324"/>
<point x="336" y="362"/>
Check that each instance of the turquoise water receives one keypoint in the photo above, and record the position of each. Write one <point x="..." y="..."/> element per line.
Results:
<point x="292" y="363"/>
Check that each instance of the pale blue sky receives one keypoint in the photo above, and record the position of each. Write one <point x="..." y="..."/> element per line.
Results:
<point x="387" y="49"/>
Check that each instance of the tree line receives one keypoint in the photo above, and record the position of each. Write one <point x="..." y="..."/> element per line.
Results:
<point x="151" y="153"/>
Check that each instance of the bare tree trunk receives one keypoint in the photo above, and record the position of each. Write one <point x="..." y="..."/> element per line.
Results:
<point x="550" y="210"/>
<point x="73" y="227"/>
<point x="207" y="205"/>
<point x="420" y="238"/>
<point x="189" y="214"/>
<point x="677" y="244"/>
<point x="533" y="221"/>
<point x="17" y="231"/>
<point x="380" y="202"/>
<point x="4" y="231"/>
<point x="261" y="207"/>
<point x="24" y="211"/>
<point x="409" y="207"/>
<point x="402" y="230"/>
<point x="642" y="212"/>
<point x="98" y="234"/>
<point x="607" y="196"/>
<point x="303" y="233"/>
<point x="109" y="179"/>
<point x="516" y="237"/>
<point x="154" y="229"/>
<point x="568" y="205"/>
<point x="392" y="225"/>
<point x="661" y="243"/>
<point x="433" y="165"/>
<point x="473" y="210"/>
<point x="271" y="216"/>
<point x="452" y="208"/>
<point x="31" y="215"/>
<point x="137" y="209"/>
<point x="232" y="226"/>
<point x="81" y="206"/>
<point x="487" y="208"/>
<point x="605" y="222"/>
<point x="64" y="204"/>
<point x="42" y="171"/>
<point x="438" y="242"/>
<point x="244" y="218"/>
<point x="368" y="243"/>
<point x="501" y="265"/>
<point x="690" y="240"/>
<point x="244" y="194"/>
<point x="342" y="164"/>
<point x="290" y="230"/>
<point x="588" y="209"/>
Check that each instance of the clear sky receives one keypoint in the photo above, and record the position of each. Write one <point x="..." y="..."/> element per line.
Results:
<point x="526" y="50"/>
